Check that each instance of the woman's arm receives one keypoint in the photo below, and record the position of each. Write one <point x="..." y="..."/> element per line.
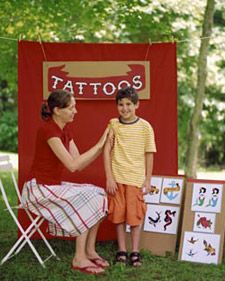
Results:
<point x="81" y="160"/>
<point x="73" y="150"/>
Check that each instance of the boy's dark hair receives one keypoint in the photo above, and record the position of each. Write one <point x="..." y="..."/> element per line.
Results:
<point x="129" y="93"/>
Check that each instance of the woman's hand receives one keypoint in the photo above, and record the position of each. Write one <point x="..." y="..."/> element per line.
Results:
<point x="103" y="138"/>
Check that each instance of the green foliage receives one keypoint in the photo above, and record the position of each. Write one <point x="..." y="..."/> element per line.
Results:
<point x="185" y="103"/>
<point x="8" y="131"/>
<point x="213" y="130"/>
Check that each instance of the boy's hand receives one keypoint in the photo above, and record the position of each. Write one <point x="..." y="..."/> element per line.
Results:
<point x="111" y="186"/>
<point x="146" y="188"/>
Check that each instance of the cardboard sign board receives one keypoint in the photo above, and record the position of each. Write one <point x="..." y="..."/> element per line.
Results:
<point x="94" y="72"/>
<point x="161" y="223"/>
<point x="96" y="80"/>
<point x="203" y="226"/>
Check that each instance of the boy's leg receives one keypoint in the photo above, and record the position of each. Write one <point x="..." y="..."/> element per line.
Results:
<point x="136" y="209"/>
<point x="135" y="258"/>
<point x="121" y="237"/>
<point x="121" y="255"/>
<point x="117" y="211"/>
<point x="135" y="237"/>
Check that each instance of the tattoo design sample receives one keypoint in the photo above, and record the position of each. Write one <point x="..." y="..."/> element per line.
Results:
<point x="154" y="195"/>
<point x="154" y="190"/>
<point x="172" y="190"/>
<point x="207" y="197"/>
<point x="156" y="220"/>
<point x="161" y="218"/>
<point x="201" y="198"/>
<point x="204" y="222"/>
<point x="191" y="253"/>
<point x="200" y="247"/>
<point x="192" y="240"/>
<point x="168" y="218"/>
<point x="209" y="249"/>
<point x="214" y="198"/>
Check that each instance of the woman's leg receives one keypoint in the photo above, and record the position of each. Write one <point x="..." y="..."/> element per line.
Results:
<point x="80" y="257"/>
<point x="91" y="240"/>
<point x="91" y="247"/>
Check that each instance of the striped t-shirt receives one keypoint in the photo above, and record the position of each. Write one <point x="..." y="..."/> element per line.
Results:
<point x="131" y="142"/>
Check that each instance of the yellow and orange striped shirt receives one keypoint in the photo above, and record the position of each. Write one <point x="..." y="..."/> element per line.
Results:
<point x="131" y="142"/>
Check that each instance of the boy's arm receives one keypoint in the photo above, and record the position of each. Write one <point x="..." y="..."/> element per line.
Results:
<point x="149" y="157"/>
<point x="111" y="186"/>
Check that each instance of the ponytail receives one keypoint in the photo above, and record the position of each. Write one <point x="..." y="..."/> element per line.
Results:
<point x="45" y="112"/>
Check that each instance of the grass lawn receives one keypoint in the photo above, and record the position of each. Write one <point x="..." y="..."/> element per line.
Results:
<point x="25" y="266"/>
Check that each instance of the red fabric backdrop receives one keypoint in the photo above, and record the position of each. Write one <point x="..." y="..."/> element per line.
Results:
<point x="93" y="115"/>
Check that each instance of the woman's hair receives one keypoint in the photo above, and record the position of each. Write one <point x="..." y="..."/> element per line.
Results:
<point x="57" y="98"/>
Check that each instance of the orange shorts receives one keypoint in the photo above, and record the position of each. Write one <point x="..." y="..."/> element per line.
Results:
<point x="127" y="205"/>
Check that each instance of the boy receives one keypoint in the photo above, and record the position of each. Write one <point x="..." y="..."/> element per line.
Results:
<point x="128" y="168"/>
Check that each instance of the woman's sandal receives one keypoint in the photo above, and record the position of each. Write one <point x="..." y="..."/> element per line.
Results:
<point x="89" y="269"/>
<point x="135" y="259"/>
<point x="121" y="257"/>
<point x="100" y="262"/>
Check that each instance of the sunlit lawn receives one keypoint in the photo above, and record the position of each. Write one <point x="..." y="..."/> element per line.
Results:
<point x="26" y="267"/>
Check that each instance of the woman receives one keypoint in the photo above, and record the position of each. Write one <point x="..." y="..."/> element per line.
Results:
<point x="71" y="209"/>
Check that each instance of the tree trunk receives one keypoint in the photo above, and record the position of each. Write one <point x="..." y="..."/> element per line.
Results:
<point x="194" y="132"/>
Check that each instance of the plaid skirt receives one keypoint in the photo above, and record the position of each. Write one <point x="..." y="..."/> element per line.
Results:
<point x="69" y="208"/>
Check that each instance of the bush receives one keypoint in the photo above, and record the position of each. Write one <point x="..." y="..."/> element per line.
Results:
<point x="9" y="131"/>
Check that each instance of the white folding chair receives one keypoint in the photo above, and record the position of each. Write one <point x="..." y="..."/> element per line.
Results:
<point x="34" y="226"/>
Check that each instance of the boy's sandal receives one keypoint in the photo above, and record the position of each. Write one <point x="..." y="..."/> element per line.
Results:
<point x="135" y="259"/>
<point x="122" y="257"/>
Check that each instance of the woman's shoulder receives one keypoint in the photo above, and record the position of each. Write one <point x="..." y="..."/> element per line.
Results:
<point x="50" y="129"/>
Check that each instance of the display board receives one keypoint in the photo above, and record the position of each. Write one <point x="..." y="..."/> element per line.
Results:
<point x="93" y="73"/>
<point x="202" y="236"/>
<point x="161" y="223"/>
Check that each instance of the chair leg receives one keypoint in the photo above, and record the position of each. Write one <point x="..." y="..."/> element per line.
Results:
<point x="42" y="235"/>
<point x="47" y="244"/>
<point x="29" y="235"/>
<point x="36" y="228"/>
<point x="24" y="236"/>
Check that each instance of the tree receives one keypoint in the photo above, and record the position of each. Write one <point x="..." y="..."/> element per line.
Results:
<point x="193" y="132"/>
